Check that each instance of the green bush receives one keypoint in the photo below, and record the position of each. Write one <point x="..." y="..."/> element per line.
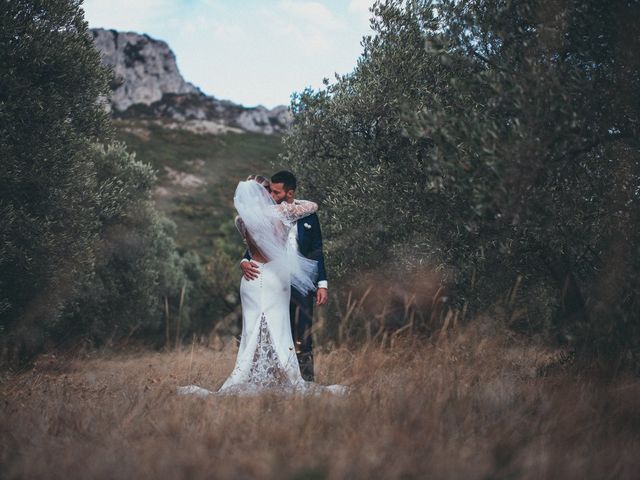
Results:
<point x="491" y="141"/>
<point x="50" y="79"/>
<point x="136" y="262"/>
<point x="83" y="252"/>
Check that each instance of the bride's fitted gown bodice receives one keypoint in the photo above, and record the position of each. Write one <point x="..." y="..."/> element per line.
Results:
<point x="266" y="359"/>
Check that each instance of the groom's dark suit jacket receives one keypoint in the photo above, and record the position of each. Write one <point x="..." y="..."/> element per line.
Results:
<point x="309" y="242"/>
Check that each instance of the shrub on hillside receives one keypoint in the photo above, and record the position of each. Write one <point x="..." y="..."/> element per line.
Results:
<point x="136" y="262"/>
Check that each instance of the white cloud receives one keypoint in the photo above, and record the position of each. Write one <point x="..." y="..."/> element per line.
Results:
<point x="228" y="31"/>
<point x="360" y="8"/>
<point x="313" y="13"/>
<point x="293" y="27"/>
<point x="139" y="15"/>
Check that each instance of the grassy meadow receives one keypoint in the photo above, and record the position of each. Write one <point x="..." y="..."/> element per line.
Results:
<point x="470" y="404"/>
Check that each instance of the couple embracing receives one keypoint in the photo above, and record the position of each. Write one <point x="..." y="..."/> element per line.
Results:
<point x="282" y="268"/>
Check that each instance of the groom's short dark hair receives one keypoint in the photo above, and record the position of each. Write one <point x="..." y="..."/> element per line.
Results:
<point x="285" y="177"/>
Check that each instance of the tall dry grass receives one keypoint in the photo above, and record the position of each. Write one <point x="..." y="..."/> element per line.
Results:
<point x="471" y="404"/>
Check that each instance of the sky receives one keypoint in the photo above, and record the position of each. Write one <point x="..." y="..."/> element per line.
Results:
<point x="253" y="52"/>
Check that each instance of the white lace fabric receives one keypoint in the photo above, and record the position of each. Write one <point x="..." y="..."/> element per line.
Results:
<point x="292" y="212"/>
<point x="266" y="369"/>
<point x="267" y="374"/>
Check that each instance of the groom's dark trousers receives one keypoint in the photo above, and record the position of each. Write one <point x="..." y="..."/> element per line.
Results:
<point x="301" y="314"/>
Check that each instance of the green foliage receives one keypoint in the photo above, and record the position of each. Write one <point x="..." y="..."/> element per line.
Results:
<point x="50" y="79"/>
<point x="549" y="155"/>
<point x="83" y="251"/>
<point x="492" y="141"/>
<point x="136" y="263"/>
<point x="140" y="278"/>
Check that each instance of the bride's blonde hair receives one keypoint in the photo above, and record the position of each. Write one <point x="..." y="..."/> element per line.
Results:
<point x="264" y="181"/>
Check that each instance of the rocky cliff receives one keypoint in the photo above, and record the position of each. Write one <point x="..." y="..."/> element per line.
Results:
<point x="149" y="86"/>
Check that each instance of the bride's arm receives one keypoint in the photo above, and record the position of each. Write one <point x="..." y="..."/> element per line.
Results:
<point x="293" y="212"/>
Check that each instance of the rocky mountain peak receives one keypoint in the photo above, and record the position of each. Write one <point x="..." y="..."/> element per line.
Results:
<point x="149" y="85"/>
<point x="145" y="68"/>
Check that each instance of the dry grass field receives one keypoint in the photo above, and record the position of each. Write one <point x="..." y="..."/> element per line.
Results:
<point x="468" y="406"/>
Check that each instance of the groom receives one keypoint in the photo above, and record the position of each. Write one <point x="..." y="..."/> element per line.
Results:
<point x="307" y="239"/>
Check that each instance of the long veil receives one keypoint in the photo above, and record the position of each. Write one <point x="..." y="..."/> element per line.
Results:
<point x="269" y="227"/>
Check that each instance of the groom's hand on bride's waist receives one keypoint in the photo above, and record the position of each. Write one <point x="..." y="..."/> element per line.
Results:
<point x="249" y="269"/>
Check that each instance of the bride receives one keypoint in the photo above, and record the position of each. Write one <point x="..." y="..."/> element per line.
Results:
<point x="266" y="359"/>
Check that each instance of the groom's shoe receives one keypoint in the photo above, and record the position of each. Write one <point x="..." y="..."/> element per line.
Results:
<point x="306" y="366"/>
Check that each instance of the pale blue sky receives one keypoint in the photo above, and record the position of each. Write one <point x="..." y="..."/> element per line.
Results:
<point x="248" y="51"/>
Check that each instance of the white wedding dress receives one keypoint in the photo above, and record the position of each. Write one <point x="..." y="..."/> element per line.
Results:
<point x="266" y="360"/>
